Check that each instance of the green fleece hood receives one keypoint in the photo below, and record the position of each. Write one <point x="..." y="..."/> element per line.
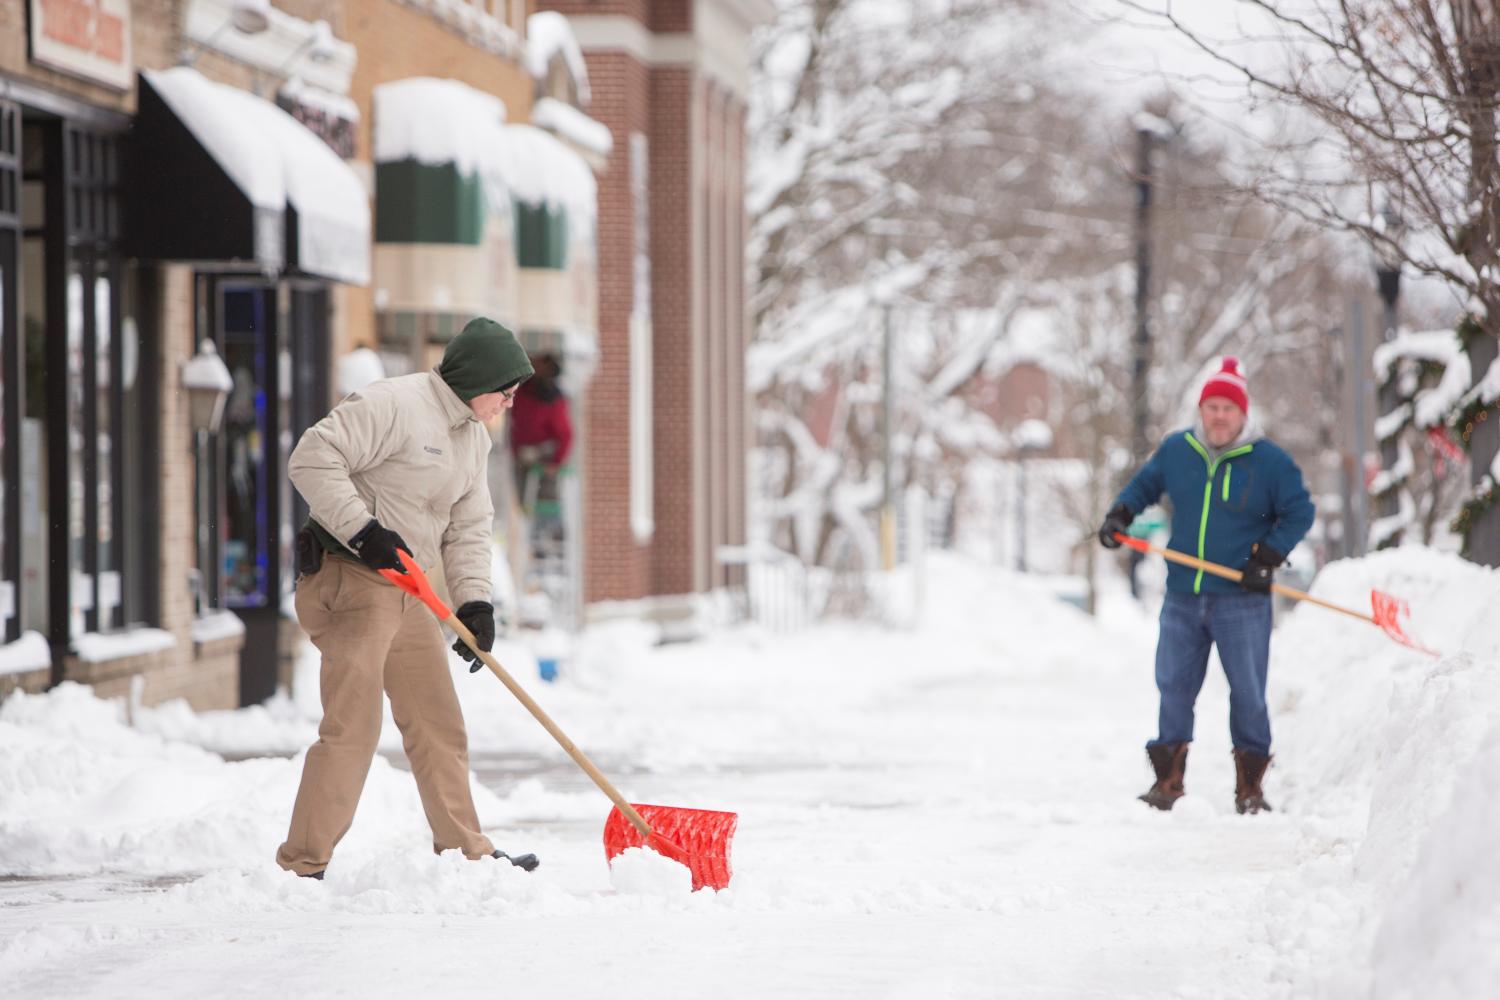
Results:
<point x="484" y="357"/>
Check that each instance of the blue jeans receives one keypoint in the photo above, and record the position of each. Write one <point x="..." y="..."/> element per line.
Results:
<point x="1240" y="625"/>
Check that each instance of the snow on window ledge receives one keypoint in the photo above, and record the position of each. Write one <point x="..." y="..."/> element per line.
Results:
<point x="219" y="625"/>
<point x="94" y="647"/>
<point x="30" y="652"/>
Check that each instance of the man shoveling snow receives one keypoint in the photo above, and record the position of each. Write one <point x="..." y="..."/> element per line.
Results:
<point x="402" y="459"/>
<point x="1239" y="500"/>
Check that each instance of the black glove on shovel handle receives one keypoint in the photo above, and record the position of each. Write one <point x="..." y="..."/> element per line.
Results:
<point x="376" y="546"/>
<point x="1116" y="522"/>
<point x="479" y="618"/>
<point x="1259" y="571"/>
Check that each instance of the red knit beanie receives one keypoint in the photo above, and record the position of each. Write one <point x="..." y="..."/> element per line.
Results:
<point x="1228" y="383"/>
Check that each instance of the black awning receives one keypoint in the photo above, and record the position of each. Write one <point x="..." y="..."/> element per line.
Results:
<point x="181" y="204"/>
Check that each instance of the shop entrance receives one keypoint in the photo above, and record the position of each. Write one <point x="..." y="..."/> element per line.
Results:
<point x="273" y="338"/>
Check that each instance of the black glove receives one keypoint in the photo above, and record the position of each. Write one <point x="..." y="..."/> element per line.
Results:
<point x="479" y="618"/>
<point x="1117" y="520"/>
<point x="1259" y="569"/>
<point x="376" y="546"/>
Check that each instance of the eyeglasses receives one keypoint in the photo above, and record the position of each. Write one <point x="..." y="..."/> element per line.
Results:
<point x="509" y="395"/>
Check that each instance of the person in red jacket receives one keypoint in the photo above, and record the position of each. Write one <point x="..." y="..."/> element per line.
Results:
<point x="541" y="434"/>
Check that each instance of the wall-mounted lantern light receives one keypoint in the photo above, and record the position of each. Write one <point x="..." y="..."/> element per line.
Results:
<point x="207" y="382"/>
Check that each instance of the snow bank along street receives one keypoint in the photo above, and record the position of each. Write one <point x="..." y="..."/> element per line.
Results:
<point x="942" y="811"/>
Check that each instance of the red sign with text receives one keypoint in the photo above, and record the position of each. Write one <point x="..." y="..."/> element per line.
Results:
<point x="84" y="38"/>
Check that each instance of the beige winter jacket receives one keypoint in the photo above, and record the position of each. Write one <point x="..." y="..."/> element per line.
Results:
<point x="410" y="453"/>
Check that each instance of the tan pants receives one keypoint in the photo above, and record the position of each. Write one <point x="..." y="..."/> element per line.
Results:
<point x="371" y="636"/>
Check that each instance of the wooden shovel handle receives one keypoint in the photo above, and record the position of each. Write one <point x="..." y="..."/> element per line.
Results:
<point x="414" y="581"/>
<point x="1183" y="559"/>
<point x="561" y="737"/>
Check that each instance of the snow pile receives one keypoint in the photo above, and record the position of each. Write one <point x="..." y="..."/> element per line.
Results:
<point x="643" y="872"/>
<point x="80" y="793"/>
<point x="1409" y="744"/>
<point x="958" y="794"/>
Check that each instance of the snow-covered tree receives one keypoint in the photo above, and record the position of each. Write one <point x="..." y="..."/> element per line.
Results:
<point x="1394" y="108"/>
<point x="915" y="162"/>
<point x="895" y="147"/>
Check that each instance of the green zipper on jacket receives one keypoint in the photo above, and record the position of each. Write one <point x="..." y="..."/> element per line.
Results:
<point x="1208" y="493"/>
<point x="1228" y="469"/>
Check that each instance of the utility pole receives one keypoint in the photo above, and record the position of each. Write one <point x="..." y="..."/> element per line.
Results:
<point x="1141" y="364"/>
<point x="1359" y="529"/>
<point x="887" y="422"/>
<point x="1140" y="445"/>
<point x="1388" y="282"/>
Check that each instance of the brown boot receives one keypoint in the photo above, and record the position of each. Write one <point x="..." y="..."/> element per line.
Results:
<point x="1169" y="760"/>
<point x="1249" y="768"/>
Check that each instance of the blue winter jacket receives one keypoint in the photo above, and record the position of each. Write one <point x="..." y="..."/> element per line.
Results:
<point x="1252" y="493"/>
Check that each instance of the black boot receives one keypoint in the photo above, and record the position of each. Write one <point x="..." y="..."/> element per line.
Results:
<point x="525" y="862"/>
<point x="1249" y="769"/>
<point x="1169" y="761"/>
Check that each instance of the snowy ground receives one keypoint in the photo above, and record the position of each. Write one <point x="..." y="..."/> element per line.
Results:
<point x="946" y="811"/>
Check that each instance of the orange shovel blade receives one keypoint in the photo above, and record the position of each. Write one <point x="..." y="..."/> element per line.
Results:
<point x="698" y="838"/>
<point x="1388" y="611"/>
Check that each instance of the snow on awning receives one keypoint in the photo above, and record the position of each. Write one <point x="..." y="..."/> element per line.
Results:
<point x="541" y="170"/>
<point x="267" y="157"/>
<point x="549" y="35"/>
<point x="573" y="125"/>
<point x="436" y="122"/>
<point x="443" y="122"/>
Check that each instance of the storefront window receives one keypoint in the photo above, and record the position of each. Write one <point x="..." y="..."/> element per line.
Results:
<point x="107" y="567"/>
<point x="81" y="600"/>
<point x="245" y="315"/>
<point x="10" y="372"/>
<point x="68" y="498"/>
<point x="35" y="467"/>
<point x="8" y="622"/>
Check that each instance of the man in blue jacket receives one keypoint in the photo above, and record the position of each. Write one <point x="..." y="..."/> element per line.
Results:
<point x="1238" y="500"/>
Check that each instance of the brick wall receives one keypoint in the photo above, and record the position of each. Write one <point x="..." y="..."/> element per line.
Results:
<point x="701" y="426"/>
<point x="676" y="252"/>
<point x="615" y="566"/>
<point x="175" y="522"/>
<point x="637" y="10"/>
<point x="660" y="16"/>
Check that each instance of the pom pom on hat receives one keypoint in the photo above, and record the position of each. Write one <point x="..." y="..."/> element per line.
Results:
<point x="1228" y="383"/>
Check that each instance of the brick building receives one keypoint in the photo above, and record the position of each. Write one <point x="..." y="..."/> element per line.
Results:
<point x="156" y="199"/>
<point x="141" y="218"/>
<point x="667" y="419"/>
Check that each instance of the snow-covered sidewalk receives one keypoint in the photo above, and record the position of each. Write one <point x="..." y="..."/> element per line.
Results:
<point x="943" y="811"/>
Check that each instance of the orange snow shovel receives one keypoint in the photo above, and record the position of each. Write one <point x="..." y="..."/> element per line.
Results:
<point x="697" y="838"/>
<point x="1388" y="610"/>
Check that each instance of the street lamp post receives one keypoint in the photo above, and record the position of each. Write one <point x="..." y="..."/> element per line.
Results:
<point x="1031" y="438"/>
<point x="1388" y="283"/>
